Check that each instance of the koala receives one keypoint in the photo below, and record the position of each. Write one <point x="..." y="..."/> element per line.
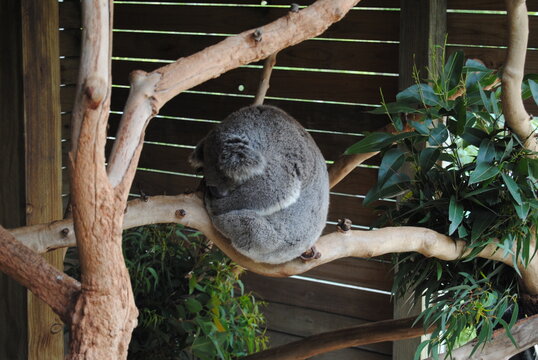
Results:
<point x="266" y="183"/>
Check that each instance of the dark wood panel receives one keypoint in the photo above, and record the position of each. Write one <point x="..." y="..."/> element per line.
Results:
<point x="308" y="54"/>
<point x="276" y="338"/>
<point x="302" y="322"/>
<point x="354" y="271"/>
<point x="480" y="29"/>
<point x="358" y="24"/>
<point x="485" y="5"/>
<point x="309" y="85"/>
<point x="312" y="115"/>
<point x="70" y="43"/>
<point x="316" y="296"/>
<point x="155" y="183"/>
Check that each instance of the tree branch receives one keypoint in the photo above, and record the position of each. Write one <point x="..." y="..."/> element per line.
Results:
<point x="380" y="331"/>
<point x="168" y="81"/>
<point x="345" y="164"/>
<point x="190" y="211"/>
<point x="54" y="287"/>
<point x="514" y="111"/>
<point x="525" y="332"/>
<point x="268" y="65"/>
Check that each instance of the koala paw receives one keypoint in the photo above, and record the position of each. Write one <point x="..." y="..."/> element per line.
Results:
<point x="239" y="160"/>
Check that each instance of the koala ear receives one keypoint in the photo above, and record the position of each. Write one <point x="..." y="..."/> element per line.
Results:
<point x="196" y="159"/>
<point x="240" y="160"/>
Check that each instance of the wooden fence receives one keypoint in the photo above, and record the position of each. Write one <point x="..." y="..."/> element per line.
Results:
<point x="326" y="83"/>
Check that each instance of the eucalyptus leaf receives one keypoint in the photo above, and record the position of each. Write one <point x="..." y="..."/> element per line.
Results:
<point x="483" y="172"/>
<point x="438" y="135"/>
<point x="390" y="164"/>
<point x="486" y="152"/>
<point x="393" y="108"/>
<point x="455" y="214"/>
<point x="452" y="70"/>
<point x="512" y="187"/>
<point x="474" y="136"/>
<point x="371" y="142"/>
<point x="533" y="86"/>
<point x="418" y="94"/>
<point x="428" y="157"/>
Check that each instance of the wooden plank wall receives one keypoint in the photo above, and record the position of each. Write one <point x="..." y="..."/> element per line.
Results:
<point x="326" y="83"/>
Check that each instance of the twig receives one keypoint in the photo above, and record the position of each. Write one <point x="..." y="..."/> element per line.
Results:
<point x="268" y="65"/>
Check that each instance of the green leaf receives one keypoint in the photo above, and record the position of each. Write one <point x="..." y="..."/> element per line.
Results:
<point x="419" y="94"/>
<point x="486" y="152"/>
<point x="513" y="188"/>
<point x="391" y="163"/>
<point x="522" y="210"/>
<point x="371" y="142"/>
<point x="423" y="127"/>
<point x="427" y="158"/>
<point x="483" y="172"/>
<point x="533" y="86"/>
<point x="474" y="136"/>
<point x="455" y="214"/>
<point x="452" y="70"/>
<point x="193" y="305"/>
<point x="438" y="135"/>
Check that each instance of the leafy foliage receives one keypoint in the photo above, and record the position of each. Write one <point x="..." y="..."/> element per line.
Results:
<point x="192" y="304"/>
<point x="472" y="179"/>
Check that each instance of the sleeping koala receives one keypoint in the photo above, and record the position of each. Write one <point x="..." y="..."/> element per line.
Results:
<point x="267" y="187"/>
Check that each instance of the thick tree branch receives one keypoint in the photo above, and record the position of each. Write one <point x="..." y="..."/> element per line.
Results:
<point x="380" y="331"/>
<point x="514" y="111"/>
<point x="168" y="81"/>
<point x="525" y="332"/>
<point x="189" y="211"/>
<point x="54" y="287"/>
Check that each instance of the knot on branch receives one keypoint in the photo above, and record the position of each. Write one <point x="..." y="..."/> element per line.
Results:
<point x="95" y="89"/>
<point x="257" y="35"/>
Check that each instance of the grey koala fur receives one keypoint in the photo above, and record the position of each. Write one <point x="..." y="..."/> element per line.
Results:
<point x="267" y="187"/>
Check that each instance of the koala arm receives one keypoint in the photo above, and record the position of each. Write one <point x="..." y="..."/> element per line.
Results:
<point x="260" y="194"/>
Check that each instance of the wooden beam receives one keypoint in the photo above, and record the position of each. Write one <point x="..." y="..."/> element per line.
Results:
<point x="422" y="26"/>
<point x="12" y="295"/>
<point x="41" y="94"/>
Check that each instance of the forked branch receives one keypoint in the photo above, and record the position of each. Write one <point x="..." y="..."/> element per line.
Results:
<point x="54" y="287"/>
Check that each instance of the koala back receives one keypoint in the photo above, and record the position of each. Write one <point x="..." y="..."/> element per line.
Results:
<point x="267" y="183"/>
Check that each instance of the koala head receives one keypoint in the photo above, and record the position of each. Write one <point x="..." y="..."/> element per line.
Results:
<point x="227" y="160"/>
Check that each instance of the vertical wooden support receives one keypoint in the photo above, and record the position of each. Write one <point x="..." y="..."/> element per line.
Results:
<point x="422" y="26"/>
<point x="41" y="88"/>
<point x="13" y="337"/>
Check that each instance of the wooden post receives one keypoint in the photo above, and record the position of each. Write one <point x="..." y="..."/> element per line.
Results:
<point x="41" y="91"/>
<point x="13" y="337"/>
<point x="30" y="170"/>
<point x="422" y="26"/>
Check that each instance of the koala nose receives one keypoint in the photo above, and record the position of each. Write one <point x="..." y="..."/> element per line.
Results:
<point x="216" y="192"/>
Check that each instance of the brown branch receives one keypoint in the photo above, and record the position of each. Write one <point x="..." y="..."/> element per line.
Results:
<point x="525" y="332"/>
<point x="380" y="331"/>
<point x="190" y="211"/>
<point x="54" y="287"/>
<point x="268" y="65"/>
<point x="514" y="111"/>
<point x="345" y="164"/>
<point x="168" y="81"/>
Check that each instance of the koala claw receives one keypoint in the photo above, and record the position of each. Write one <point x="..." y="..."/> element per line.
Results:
<point x="311" y="254"/>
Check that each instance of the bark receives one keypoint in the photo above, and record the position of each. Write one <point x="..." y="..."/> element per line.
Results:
<point x="517" y="118"/>
<point x="31" y="270"/>
<point x="389" y="330"/>
<point x="190" y="211"/>
<point x="525" y="332"/>
<point x="268" y="65"/>
<point x="105" y="313"/>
